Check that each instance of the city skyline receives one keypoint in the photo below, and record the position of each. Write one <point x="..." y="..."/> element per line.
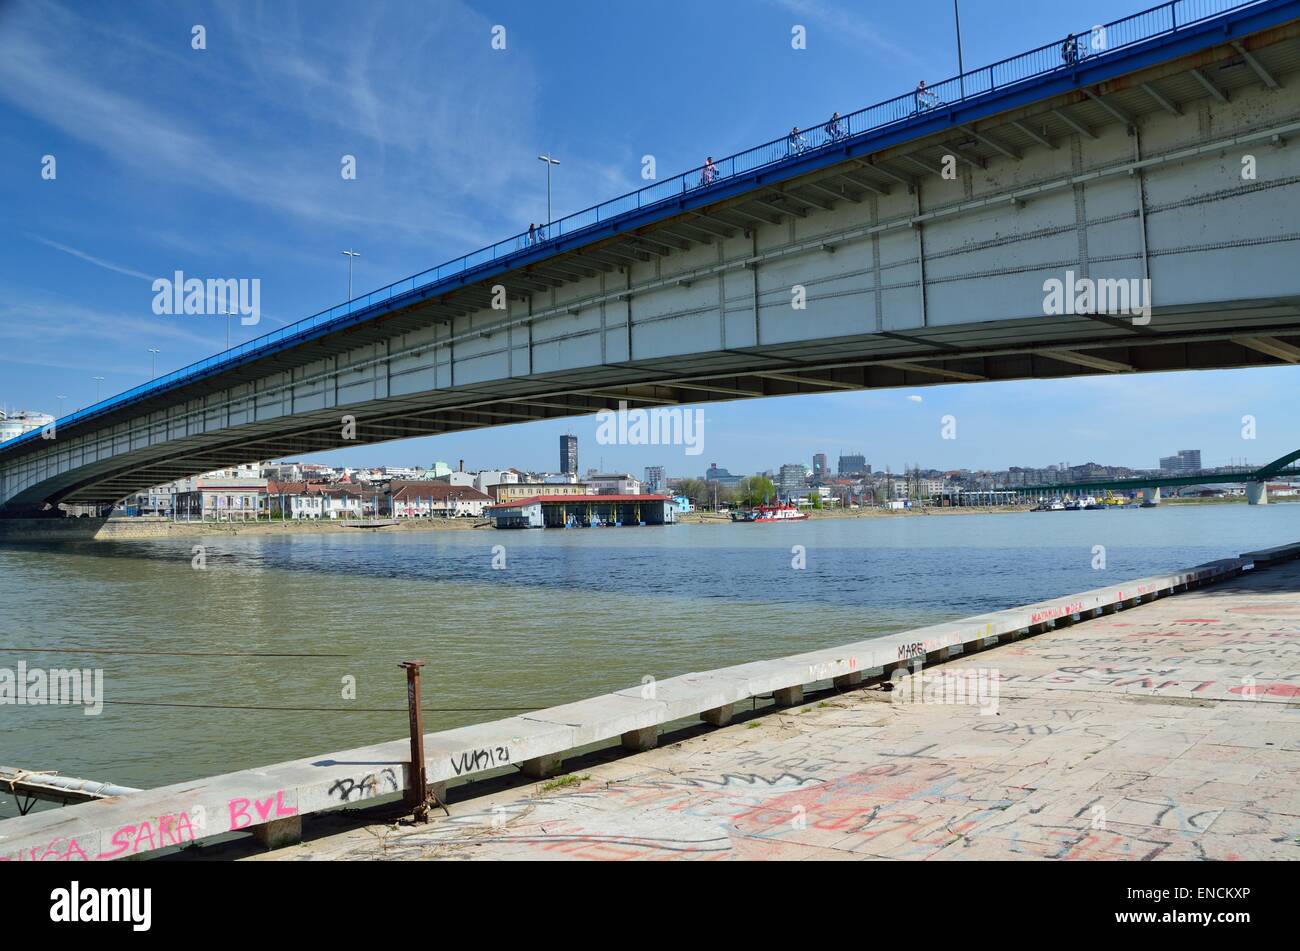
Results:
<point x="893" y="428"/>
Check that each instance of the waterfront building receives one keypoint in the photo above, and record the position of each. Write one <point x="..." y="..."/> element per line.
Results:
<point x="235" y="494"/>
<point x="435" y="499"/>
<point x="156" y="500"/>
<point x="299" y="500"/>
<point x="512" y="492"/>
<point x="295" y="500"/>
<point x="584" y="511"/>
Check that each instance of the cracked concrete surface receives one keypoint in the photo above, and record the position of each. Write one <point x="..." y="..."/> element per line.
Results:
<point x="1168" y="731"/>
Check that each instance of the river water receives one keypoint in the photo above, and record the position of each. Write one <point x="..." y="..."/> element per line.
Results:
<point x="570" y="615"/>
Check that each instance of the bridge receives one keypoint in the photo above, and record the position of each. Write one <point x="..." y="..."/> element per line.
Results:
<point x="1148" y="178"/>
<point x="1256" y="481"/>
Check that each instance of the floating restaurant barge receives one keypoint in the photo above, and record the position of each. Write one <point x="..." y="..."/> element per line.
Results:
<point x="584" y="511"/>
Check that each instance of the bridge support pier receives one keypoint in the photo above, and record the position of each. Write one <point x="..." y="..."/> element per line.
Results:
<point x="1257" y="493"/>
<point x="638" y="741"/>
<point x="719" y="716"/>
<point x="279" y="832"/>
<point x="788" y="696"/>
<point x="1151" y="495"/>
<point x="542" y="767"/>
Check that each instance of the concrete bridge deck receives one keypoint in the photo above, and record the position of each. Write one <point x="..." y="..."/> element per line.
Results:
<point x="1137" y="735"/>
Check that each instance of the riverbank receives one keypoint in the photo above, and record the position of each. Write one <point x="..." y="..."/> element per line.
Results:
<point x="707" y="518"/>
<point x="324" y="526"/>
<point x="149" y="527"/>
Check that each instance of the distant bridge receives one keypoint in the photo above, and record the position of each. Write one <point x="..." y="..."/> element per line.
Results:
<point x="1255" y="480"/>
<point x="919" y="237"/>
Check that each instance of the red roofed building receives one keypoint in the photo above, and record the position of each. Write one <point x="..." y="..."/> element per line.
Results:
<point x="437" y="499"/>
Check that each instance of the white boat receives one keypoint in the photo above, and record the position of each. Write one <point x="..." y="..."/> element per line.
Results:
<point x="783" y="512"/>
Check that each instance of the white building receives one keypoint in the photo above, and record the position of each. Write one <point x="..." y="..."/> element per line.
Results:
<point x="490" y="477"/>
<point x="13" y="425"/>
<point x="613" y="483"/>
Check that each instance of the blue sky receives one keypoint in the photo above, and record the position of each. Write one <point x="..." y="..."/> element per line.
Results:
<point x="225" y="161"/>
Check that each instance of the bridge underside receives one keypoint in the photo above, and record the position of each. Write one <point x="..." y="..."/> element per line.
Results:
<point x="1061" y="348"/>
<point x="911" y="277"/>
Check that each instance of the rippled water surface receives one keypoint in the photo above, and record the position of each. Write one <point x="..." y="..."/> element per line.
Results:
<point x="573" y="614"/>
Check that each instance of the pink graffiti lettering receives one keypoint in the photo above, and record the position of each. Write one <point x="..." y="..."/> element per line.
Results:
<point x="240" y="819"/>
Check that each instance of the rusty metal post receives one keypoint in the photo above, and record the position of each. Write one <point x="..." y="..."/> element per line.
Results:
<point x="418" y="794"/>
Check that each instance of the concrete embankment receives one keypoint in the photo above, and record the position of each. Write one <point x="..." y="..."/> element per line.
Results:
<point x="1158" y="711"/>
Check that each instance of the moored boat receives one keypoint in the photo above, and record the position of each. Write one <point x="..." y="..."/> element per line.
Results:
<point x="782" y="512"/>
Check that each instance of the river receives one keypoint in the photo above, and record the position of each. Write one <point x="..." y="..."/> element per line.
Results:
<point x="570" y="615"/>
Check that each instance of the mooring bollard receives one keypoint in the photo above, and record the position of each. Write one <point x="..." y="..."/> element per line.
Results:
<point x="418" y="795"/>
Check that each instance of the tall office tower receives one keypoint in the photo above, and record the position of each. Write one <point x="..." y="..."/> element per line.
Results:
<point x="821" y="470"/>
<point x="569" y="455"/>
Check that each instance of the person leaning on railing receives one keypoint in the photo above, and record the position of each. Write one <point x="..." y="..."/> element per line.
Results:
<point x="833" y="130"/>
<point x="709" y="174"/>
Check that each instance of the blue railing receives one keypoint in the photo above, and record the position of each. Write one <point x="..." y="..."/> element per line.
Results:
<point x="1149" y="24"/>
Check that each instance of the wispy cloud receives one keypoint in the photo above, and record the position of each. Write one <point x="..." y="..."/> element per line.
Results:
<point x="98" y="262"/>
<point x="49" y="325"/>
<point x="434" y="135"/>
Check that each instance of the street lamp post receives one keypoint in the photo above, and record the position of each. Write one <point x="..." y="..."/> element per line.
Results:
<point x="549" y="162"/>
<point x="98" y="380"/>
<point x="153" y="355"/>
<point x="351" y="254"/>
<point x="61" y="397"/>
<point x="961" y="70"/>
<point x="227" y="314"/>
